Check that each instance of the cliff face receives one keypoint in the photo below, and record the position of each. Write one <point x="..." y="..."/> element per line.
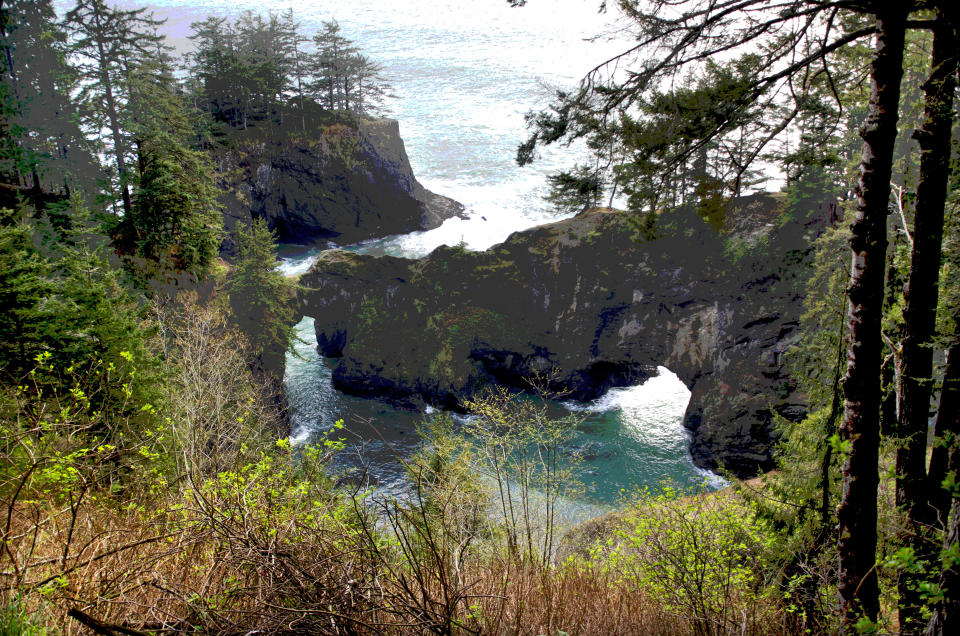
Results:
<point x="584" y="305"/>
<point x="342" y="183"/>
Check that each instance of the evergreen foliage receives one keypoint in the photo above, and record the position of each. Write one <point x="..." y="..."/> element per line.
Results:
<point x="41" y="147"/>
<point x="24" y="286"/>
<point x="260" y="295"/>
<point x="254" y="70"/>
<point x="107" y="45"/>
<point x="176" y="217"/>
<point x="174" y="224"/>
<point x="72" y="306"/>
<point x="344" y="79"/>
<point x="576" y="190"/>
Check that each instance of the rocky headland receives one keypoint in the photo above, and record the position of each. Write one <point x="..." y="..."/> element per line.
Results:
<point x="342" y="182"/>
<point x="586" y="305"/>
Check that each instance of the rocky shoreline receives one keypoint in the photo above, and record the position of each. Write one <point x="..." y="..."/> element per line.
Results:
<point x="345" y="183"/>
<point x="584" y="306"/>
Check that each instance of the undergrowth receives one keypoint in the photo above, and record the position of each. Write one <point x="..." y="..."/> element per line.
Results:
<point x="182" y="515"/>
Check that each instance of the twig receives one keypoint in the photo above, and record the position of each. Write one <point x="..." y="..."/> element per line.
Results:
<point x="898" y="195"/>
<point x="99" y="627"/>
<point x="102" y="555"/>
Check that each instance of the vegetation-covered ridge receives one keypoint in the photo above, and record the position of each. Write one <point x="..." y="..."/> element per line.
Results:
<point x="296" y="131"/>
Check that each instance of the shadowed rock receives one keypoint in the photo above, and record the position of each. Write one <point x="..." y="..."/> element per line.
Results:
<point x="340" y="182"/>
<point x="585" y="305"/>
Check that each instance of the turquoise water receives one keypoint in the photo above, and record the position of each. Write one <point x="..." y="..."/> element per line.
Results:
<point x="629" y="438"/>
<point x="463" y="73"/>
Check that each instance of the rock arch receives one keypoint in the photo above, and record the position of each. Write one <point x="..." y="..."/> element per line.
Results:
<point x="585" y="301"/>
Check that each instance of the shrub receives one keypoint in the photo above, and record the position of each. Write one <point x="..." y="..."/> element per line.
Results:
<point x="702" y="557"/>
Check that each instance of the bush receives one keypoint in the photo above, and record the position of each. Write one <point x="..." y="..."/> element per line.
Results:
<point x="521" y="449"/>
<point x="702" y="557"/>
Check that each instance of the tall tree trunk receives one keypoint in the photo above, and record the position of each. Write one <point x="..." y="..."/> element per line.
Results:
<point x="113" y="115"/>
<point x="922" y="292"/>
<point x="118" y="147"/>
<point x="829" y="429"/>
<point x="946" y="616"/>
<point x="890" y="370"/>
<point x="920" y="309"/>
<point x="857" y="512"/>
<point x="303" y="116"/>
<point x="946" y="432"/>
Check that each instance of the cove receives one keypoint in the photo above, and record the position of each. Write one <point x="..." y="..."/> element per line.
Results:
<point x="630" y="437"/>
<point x="593" y="306"/>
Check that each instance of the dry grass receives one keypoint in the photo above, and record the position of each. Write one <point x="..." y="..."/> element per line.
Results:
<point x="194" y="521"/>
<point x="220" y="567"/>
<point x="582" y="600"/>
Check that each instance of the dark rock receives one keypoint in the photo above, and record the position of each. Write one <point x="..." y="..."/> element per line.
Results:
<point x="580" y="306"/>
<point x="342" y="182"/>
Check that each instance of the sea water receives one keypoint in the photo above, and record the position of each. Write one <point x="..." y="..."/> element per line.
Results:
<point x="463" y="74"/>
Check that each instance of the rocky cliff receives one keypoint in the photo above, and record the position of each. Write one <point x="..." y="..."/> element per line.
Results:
<point x="584" y="304"/>
<point x="342" y="182"/>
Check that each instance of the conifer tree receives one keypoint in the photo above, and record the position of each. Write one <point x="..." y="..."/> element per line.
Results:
<point x="24" y="285"/>
<point x="344" y="79"/>
<point x="107" y="44"/>
<point x="265" y="51"/>
<point x="299" y="60"/>
<point x="260" y="295"/>
<point x="216" y="65"/>
<point x="41" y="147"/>
<point x="175" y="221"/>
<point x="67" y="303"/>
<point x="945" y="473"/>
<point x="331" y="67"/>
<point x="920" y="304"/>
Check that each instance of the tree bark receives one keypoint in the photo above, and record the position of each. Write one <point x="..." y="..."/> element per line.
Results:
<point x="922" y="292"/>
<point x="920" y="309"/>
<point x="946" y="616"/>
<point x="946" y="431"/>
<point x="857" y="512"/>
<point x="303" y="116"/>
<point x="113" y="115"/>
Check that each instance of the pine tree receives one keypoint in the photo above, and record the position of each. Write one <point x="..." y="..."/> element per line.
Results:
<point x="41" y="147"/>
<point x="107" y="45"/>
<point x="331" y="67"/>
<point x="261" y="296"/>
<point x="24" y="286"/>
<point x="216" y="65"/>
<point x="67" y="303"/>
<point x="344" y="79"/>
<point x="175" y="221"/>
<point x="920" y="304"/>
<point x="266" y="62"/>
<point x="294" y="40"/>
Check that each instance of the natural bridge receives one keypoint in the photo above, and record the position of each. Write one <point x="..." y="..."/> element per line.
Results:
<point x="589" y="305"/>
